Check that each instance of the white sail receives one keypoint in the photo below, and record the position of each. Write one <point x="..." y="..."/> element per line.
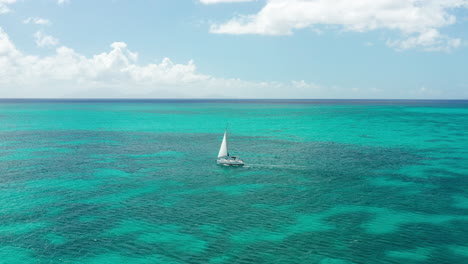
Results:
<point x="223" y="151"/>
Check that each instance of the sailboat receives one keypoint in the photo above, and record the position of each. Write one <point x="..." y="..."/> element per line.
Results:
<point x="223" y="156"/>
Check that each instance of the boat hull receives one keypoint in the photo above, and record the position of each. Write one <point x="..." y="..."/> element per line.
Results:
<point x="230" y="162"/>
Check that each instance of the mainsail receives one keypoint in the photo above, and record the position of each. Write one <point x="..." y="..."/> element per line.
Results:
<point x="223" y="151"/>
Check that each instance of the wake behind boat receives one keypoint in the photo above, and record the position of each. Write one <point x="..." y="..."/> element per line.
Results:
<point x="223" y="156"/>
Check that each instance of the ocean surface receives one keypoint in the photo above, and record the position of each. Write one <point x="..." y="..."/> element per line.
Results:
<point x="327" y="182"/>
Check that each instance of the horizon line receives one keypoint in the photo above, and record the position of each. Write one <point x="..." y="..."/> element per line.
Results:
<point x="238" y="99"/>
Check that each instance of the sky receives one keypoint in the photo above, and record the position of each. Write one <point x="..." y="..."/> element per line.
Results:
<point x="317" y="49"/>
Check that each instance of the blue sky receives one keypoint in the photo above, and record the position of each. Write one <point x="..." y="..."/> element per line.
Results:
<point x="234" y="49"/>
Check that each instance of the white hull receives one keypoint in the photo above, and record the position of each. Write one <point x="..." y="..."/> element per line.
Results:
<point x="228" y="161"/>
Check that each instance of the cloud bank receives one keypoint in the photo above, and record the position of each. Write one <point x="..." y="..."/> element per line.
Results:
<point x="419" y="22"/>
<point x="117" y="74"/>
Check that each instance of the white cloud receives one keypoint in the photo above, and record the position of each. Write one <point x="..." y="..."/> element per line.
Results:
<point x="61" y="2"/>
<point x="418" y="21"/>
<point x="430" y="40"/>
<point x="4" y="6"/>
<point x="209" y="2"/>
<point x="37" y="21"/>
<point x="43" y="40"/>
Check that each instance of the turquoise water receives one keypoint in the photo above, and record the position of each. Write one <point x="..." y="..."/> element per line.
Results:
<point x="328" y="182"/>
